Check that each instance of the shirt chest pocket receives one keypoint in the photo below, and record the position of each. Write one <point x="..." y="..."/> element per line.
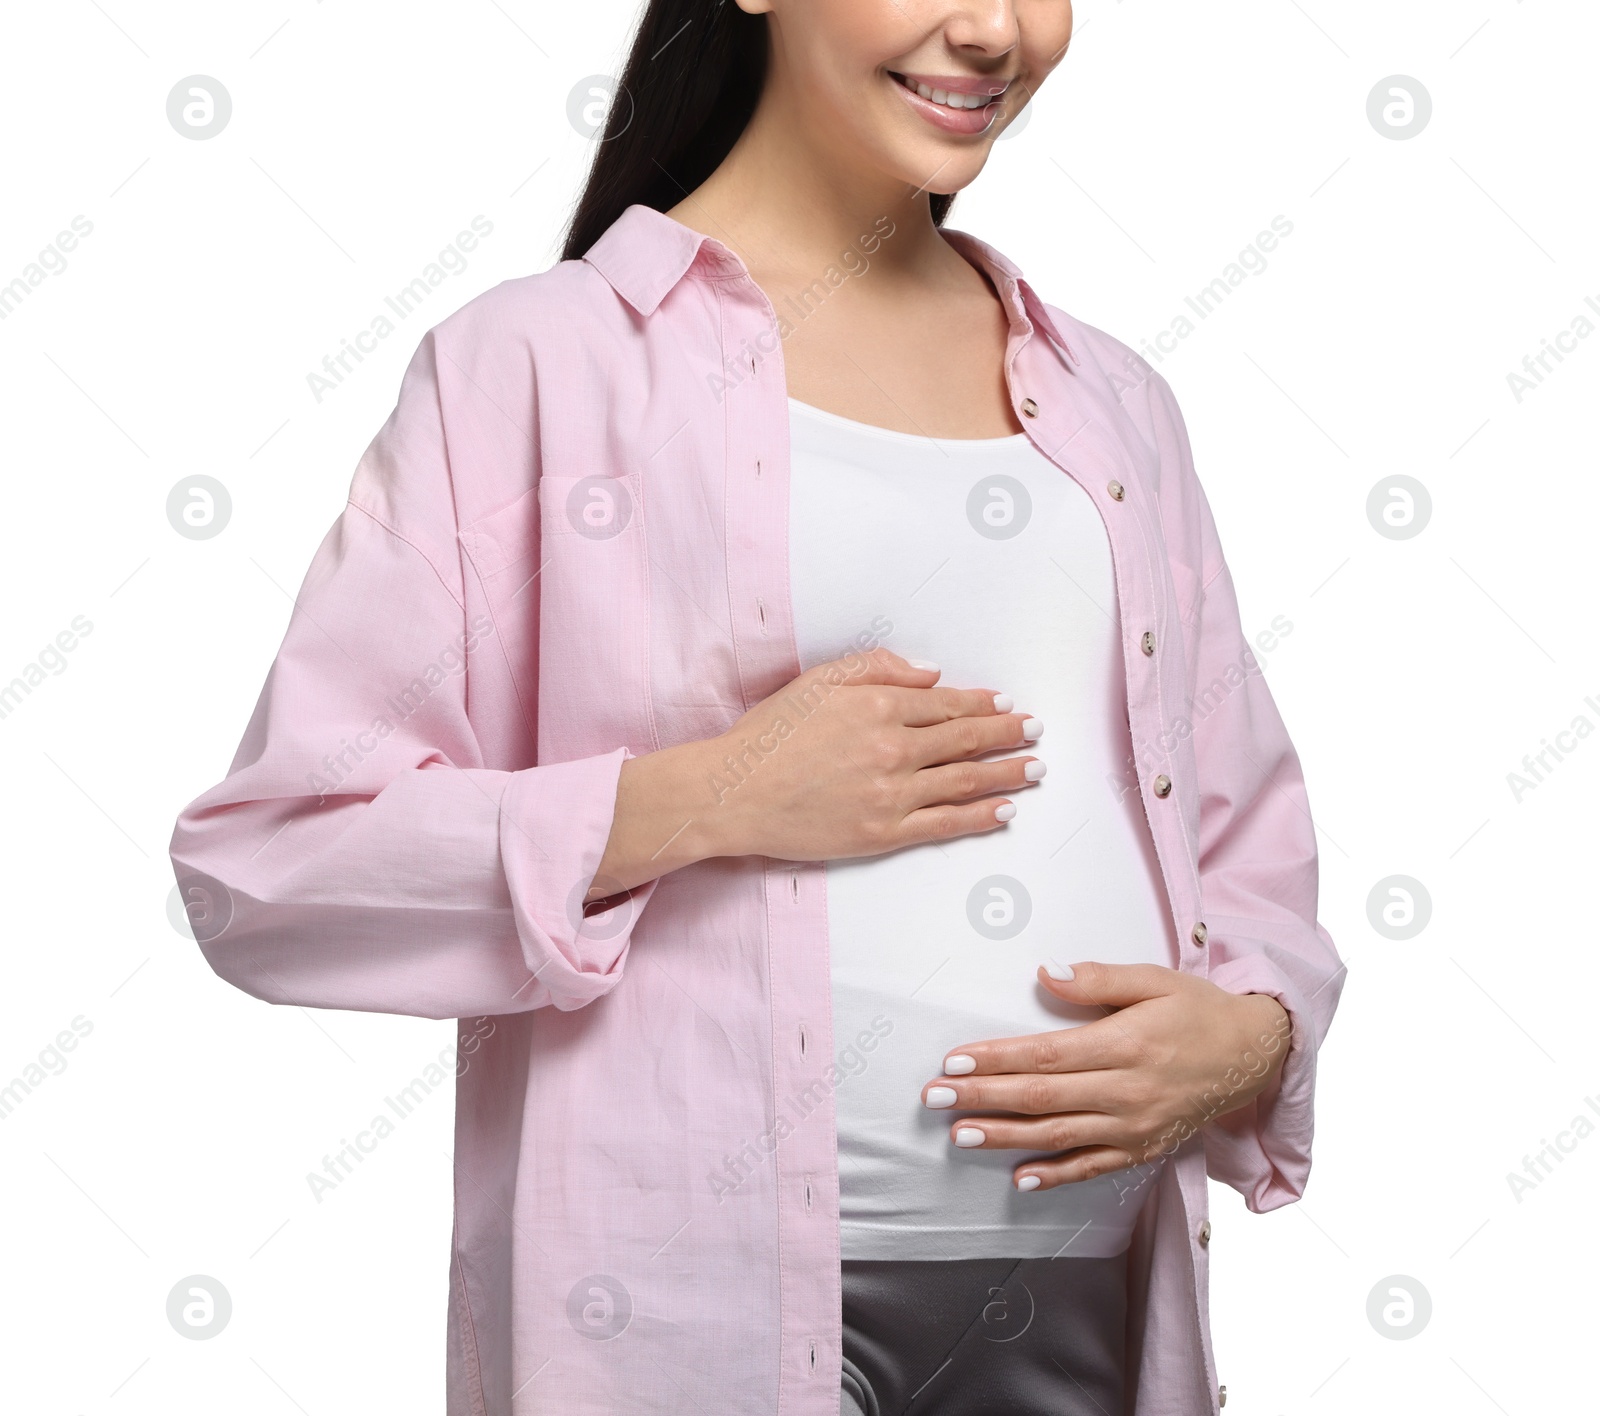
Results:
<point x="593" y="618"/>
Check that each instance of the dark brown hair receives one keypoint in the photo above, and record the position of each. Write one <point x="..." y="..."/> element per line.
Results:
<point x="690" y="85"/>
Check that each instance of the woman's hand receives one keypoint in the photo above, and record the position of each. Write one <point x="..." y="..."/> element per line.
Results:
<point x="853" y="758"/>
<point x="1123" y="1090"/>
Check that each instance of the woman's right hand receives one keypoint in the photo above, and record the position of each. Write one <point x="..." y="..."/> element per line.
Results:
<point x="855" y="757"/>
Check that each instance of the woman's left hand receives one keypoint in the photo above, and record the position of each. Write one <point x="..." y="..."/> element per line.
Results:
<point x="1123" y="1090"/>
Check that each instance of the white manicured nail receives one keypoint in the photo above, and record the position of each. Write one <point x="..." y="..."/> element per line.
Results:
<point x="1028" y="1182"/>
<point x="940" y="1097"/>
<point x="1032" y="730"/>
<point x="1003" y="703"/>
<point x="923" y="664"/>
<point x="969" y="1136"/>
<point x="1005" y="811"/>
<point x="1063" y="972"/>
<point x="958" y="1064"/>
<point x="1034" y="770"/>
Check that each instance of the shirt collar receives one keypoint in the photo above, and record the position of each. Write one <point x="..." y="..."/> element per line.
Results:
<point x="644" y="253"/>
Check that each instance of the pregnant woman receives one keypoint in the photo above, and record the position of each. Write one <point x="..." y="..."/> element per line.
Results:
<point x="671" y="704"/>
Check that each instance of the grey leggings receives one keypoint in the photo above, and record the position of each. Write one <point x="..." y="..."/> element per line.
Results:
<point x="969" y="1337"/>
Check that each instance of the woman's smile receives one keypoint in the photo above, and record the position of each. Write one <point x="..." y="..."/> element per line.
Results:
<point x="955" y="103"/>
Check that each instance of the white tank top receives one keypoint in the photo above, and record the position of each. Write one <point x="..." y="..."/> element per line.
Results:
<point x="986" y="558"/>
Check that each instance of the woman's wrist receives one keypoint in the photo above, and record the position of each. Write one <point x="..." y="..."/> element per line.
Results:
<point x="665" y="818"/>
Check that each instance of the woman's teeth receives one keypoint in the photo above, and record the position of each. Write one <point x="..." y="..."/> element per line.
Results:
<point x="949" y="100"/>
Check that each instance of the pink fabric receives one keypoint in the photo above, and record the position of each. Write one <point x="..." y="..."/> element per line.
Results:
<point x="646" y="1187"/>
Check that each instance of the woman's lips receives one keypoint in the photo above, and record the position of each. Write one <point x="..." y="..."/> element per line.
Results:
<point x="985" y="93"/>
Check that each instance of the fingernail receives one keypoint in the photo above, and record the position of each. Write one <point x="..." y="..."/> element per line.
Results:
<point x="940" y="1097"/>
<point x="1062" y="972"/>
<point x="923" y="664"/>
<point x="969" y="1136"/>
<point x="1034" y="770"/>
<point x="1003" y="703"/>
<point x="1032" y="730"/>
<point x="1004" y="812"/>
<point x="958" y="1064"/>
<point x="1028" y="1182"/>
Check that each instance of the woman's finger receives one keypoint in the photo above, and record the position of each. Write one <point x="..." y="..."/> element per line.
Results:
<point x="1096" y="1046"/>
<point x="1079" y="1166"/>
<point x="960" y="781"/>
<point x="1062" y="1132"/>
<point x="1031" y="1094"/>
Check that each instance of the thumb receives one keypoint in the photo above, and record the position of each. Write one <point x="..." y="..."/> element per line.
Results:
<point x="1107" y="985"/>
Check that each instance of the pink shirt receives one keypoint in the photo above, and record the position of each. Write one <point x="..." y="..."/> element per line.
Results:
<point x="568" y="545"/>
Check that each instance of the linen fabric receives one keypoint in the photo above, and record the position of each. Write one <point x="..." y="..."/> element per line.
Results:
<point x="566" y="546"/>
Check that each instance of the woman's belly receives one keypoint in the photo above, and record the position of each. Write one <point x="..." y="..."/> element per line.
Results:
<point x="937" y="944"/>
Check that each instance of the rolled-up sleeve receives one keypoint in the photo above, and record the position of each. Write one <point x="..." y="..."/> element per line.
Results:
<point x="1257" y="854"/>
<point x="359" y="854"/>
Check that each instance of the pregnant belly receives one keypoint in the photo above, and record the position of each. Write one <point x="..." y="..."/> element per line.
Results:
<point x="936" y="946"/>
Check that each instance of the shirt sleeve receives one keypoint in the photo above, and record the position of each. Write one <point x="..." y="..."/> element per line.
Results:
<point x="1258" y="869"/>
<point x="359" y="854"/>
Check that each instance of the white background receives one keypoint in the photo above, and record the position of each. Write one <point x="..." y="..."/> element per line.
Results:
<point x="177" y="1138"/>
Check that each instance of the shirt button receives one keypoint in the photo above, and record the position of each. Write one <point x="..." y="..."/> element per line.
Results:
<point x="1115" y="488"/>
<point x="1222" y="1396"/>
<point x="1199" y="934"/>
<point x="1147" y="642"/>
<point x="1163" y="785"/>
<point x="1030" y="409"/>
<point x="1205" y="1233"/>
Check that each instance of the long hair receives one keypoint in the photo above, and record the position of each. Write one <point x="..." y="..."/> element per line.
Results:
<point x="691" y="83"/>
